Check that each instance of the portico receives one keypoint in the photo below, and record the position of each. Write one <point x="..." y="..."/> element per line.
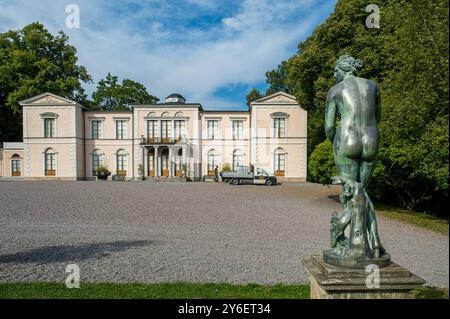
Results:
<point x="164" y="159"/>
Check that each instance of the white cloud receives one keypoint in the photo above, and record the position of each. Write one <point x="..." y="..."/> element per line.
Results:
<point x="152" y="44"/>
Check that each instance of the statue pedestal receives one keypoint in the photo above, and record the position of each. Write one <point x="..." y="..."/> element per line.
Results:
<point x="331" y="282"/>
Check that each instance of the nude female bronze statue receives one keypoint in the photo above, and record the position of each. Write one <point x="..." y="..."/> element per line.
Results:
<point x="355" y="144"/>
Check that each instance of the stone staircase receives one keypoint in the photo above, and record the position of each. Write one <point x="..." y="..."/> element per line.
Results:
<point x="165" y="179"/>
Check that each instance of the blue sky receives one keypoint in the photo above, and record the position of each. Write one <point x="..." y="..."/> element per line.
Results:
<point x="212" y="52"/>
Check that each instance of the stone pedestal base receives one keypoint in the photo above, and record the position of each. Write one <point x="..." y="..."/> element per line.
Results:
<point x="331" y="282"/>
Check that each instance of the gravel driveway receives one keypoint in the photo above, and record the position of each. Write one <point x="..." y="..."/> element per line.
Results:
<point x="200" y="232"/>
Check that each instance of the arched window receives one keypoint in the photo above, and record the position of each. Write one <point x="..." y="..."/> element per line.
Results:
<point x="97" y="161"/>
<point x="213" y="161"/>
<point x="166" y="128"/>
<point x="121" y="162"/>
<point x="151" y="114"/>
<point x="179" y="129"/>
<point x="50" y="162"/>
<point x="279" y="162"/>
<point x="179" y="114"/>
<point x="16" y="165"/>
<point x="238" y="159"/>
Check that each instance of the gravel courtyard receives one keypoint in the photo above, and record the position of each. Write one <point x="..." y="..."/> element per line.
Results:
<point x="199" y="232"/>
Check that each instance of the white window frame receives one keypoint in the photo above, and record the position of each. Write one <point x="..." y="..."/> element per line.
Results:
<point x="180" y="129"/>
<point x="124" y="162"/>
<point x="18" y="159"/>
<point x="52" y="127"/>
<point x="237" y="159"/>
<point x="97" y="153"/>
<point x="123" y="136"/>
<point x="277" y="132"/>
<point x="237" y="129"/>
<point x="52" y="116"/>
<point x="213" y="132"/>
<point x="214" y="155"/>
<point x="155" y="130"/>
<point x="280" y="152"/>
<point x="169" y="129"/>
<point x="100" y="128"/>
<point x="55" y="161"/>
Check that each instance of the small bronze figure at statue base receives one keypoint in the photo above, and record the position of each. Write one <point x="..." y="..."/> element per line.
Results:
<point x="341" y="271"/>
<point x="355" y="251"/>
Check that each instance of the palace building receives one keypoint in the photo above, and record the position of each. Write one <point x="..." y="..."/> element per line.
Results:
<point x="64" y="140"/>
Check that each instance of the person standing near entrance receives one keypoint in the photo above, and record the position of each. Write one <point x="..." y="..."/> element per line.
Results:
<point x="216" y="174"/>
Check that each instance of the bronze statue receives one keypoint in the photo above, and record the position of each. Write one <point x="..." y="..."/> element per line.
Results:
<point x="355" y="144"/>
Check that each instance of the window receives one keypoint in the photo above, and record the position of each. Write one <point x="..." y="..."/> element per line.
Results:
<point x="213" y="129"/>
<point x="15" y="165"/>
<point x="96" y="161"/>
<point x="279" y="127"/>
<point x="180" y="128"/>
<point x="121" y="129"/>
<point x="238" y="129"/>
<point x="122" y="164"/>
<point x="279" y="162"/>
<point x="49" y="127"/>
<point x="166" y="129"/>
<point x="152" y="130"/>
<point x="213" y="161"/>
<point x="261" y="171"/>
<point x="97" y="129"/>
<point x="238" y="159"/>
<point x="50" y="163"/>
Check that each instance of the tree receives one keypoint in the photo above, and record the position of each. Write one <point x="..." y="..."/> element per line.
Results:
<point x="277" y="79"/>
<point x="408" y="57"/>
<point x="253" y="96"/>
<point x="32" y="61"/>
<point x="110" y="95"/>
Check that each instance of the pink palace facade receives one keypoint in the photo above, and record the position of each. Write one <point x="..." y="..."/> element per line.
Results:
<point x="63" y="140"/>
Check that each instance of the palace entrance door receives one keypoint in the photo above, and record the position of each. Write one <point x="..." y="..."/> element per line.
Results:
<point x="151" y="162"/>
<point x="165" y="162"/>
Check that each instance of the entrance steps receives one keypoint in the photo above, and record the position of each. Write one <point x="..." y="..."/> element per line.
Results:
<point x="165" y="179"/>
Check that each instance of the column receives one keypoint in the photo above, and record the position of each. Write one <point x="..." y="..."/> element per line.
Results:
<point x="143" y="162"/>
<point x="184" y="163"/>
<point x="184" y="151"/>
<point x="171" y="161"/>
<point x="156" y="160"/>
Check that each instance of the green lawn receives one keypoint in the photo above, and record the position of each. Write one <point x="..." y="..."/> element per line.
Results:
<point x="153" y="291"/>
<point x="46" y="290"/>
<point x="436" y="224"/>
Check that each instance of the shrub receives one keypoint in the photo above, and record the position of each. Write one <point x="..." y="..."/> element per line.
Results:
<point x="103" y="169"/>
<point x="226" y="167"/>
<point x="321" y="163"/>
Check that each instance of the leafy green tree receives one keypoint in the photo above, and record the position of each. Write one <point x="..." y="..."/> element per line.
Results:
<point x="277" y="79"/>
<point x="253" y="96"/>
<point x="111" y="95"/>
<point x="33" y="61"/>
<point x="408" y="57"/>
<point x="321" y="164"/>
